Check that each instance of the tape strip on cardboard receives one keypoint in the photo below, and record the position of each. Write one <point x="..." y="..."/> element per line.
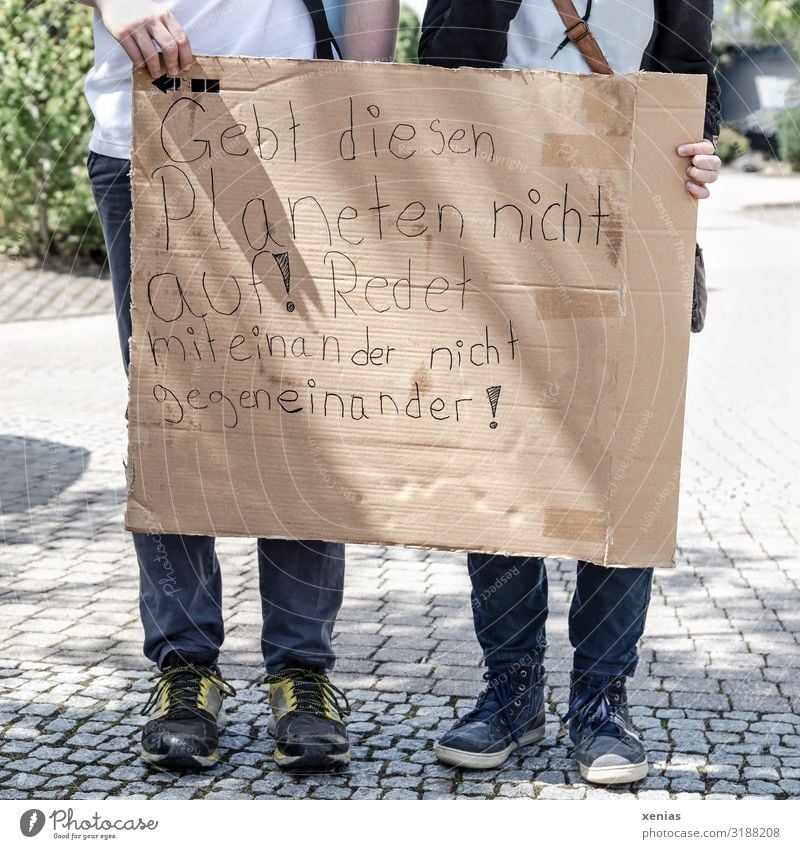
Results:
<point x="572" y="523"/>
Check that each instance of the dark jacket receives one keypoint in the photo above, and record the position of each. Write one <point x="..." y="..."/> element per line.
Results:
<point x="475" y="32"/>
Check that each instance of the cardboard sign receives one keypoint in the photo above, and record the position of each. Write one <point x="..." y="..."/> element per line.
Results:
<point x="405" y="305"/>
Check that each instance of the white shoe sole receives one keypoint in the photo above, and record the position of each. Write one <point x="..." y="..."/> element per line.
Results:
<point x="184" y="762"/>
<point x="614" y="774"/>
<point x="485" y="760"/>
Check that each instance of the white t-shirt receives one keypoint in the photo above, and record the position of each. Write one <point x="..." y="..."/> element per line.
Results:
<point x="226" y="27"/>
<point x="622" y="28"/>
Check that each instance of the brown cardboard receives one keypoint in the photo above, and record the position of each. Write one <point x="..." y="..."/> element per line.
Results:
<point x="267" y="218"/>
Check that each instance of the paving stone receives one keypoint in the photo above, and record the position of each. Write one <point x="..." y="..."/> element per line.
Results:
<point x="60" y="781"/>
<point x="403" y="768"/>
<point x="686" y="784"/>
<point x="761" y="788"/>
<point x="27" y="781"/>
<point x="332" y="792"/>
<point x="719" y="771"/>
<point x="402" y="782"/>
<point x="480" y="788"/>
<point x="58" y="768"/>
<point x="128" y="773"/>
<point x="562" y="793"/>
<point x="175" y="793"/>
<point x="98" y="784"/>
<point x="761" y="772"/>
<point x="515" y="790"/>
<point x="368" y="793"/>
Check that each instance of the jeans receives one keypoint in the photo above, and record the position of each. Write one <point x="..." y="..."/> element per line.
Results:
<point x="606" y="617"/>
<point x="180" y="585"/>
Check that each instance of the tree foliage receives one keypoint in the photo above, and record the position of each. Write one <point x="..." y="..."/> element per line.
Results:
<point x="46" y="206"/>
<point x="789" y="137"/>
<point x="407" y="36"/>
<point x="774" y="20"/>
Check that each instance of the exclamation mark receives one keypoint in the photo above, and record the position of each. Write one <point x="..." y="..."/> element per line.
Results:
<point x="282" y="261"/>
<point x="494" y="396"/>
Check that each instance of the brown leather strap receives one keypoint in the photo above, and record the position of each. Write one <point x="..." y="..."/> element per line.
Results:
<point x="577" y="31"/>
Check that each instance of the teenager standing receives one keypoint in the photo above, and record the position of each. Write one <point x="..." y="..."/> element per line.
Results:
<point x="300" y="581"/>
<point x="609" y="607"/>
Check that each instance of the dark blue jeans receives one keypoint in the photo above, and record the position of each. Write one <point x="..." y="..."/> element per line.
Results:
<point x="606" y="618"/>
<point x="180" y="585"/>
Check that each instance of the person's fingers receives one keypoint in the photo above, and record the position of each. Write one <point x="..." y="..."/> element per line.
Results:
<point x="181" y="40"/>
<point x="130" y="46"/>
<point x="701" y="175"/>
<point x="704" y="146"/>
<point x="697" y="191"/>
<point x="149" y="52"/>
<point x="169" y="49"/>
<point x="707" y="162"/>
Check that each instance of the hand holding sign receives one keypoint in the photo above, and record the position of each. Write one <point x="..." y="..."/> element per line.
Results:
<point x="140" y="25"/>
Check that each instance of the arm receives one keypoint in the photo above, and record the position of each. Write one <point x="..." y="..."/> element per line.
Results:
<point x="370" y="30"/>
<point x="137" y="24"/>
<point x="681" y="44"/>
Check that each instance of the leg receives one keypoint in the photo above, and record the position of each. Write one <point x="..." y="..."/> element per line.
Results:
<point x="111" y="188"/>
<point x="606" y="618"/>
<point x="180" y="588"/>
<point x="509" y="607"/>
<point x="301" y="593"/>
<point x="180" y="597"/>
<point x="179" y="577"/>
<point x="301" y="586"/>
<point x="606" y="621"/>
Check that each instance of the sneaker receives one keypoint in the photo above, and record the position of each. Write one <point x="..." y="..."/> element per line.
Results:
<point x="607" y="747"/>
<point x="509" y="714"/>
<point x="183" y="734"/>
<point x="309" y="732"/>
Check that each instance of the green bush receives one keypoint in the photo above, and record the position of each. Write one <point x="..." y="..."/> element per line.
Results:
<point x="407" y="36"/>
<point x="731" y="145"/>
<point x="46" y="206"/>
<point x="789" y="137"/>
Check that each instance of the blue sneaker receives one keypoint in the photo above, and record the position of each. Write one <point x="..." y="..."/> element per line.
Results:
<point x="509" y="713"/>
<point x="607" y="747"/>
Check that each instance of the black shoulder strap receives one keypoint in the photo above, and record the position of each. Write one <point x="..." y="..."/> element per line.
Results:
<point x="326" y="43"/>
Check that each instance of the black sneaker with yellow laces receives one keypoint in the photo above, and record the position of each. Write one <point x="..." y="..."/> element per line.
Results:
<point x="310" y="735"/>
<point x="184" y="733"/>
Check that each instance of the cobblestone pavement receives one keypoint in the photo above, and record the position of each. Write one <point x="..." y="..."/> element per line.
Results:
<point x="29" y="292"/>
<point x="717" y="692"/>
